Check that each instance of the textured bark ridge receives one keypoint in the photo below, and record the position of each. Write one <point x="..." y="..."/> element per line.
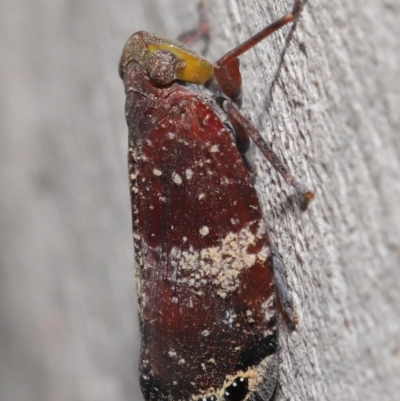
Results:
<point x="328" y="99"/>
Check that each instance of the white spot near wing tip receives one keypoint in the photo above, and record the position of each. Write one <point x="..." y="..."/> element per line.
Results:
<point x="157" y="172"/>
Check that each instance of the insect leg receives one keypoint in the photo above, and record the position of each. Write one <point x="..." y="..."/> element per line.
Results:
<point x="285" y="297"/>
<point x="201" y="32"/>
<point x="258" y="37"/>
<point x="227" y="68"/>
<point x="244" y="127"/>
<point x="243" y="144"/>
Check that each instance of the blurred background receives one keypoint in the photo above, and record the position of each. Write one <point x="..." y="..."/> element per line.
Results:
<point x="327" y="93"/>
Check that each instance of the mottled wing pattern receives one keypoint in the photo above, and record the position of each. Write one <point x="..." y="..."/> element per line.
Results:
<point x="207" y="302"/>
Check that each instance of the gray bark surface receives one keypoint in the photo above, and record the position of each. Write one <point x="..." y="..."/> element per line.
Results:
<point x="326" y="93"/>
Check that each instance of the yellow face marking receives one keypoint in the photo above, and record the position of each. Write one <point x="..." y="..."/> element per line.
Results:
<point x="197" y="71"/>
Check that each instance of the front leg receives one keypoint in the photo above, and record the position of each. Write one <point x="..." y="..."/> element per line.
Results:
<point x="244" y="127"/>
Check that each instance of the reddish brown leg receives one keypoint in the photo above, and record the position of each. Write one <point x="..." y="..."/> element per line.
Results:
<point x="244" y="127"/>
<point x="201" y="32"/>
<point x="258" y="37"/>
<point x="226" y="69"/>
<point x="285" y="297"/>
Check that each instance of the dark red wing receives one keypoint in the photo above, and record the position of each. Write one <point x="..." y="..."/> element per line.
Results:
<point x="205" y="277"/>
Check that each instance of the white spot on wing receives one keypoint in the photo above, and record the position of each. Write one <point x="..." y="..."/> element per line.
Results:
<point x="204" y="231"/>
<point x="230" y="317"/>
<point x="189" y="173"/>
<point x="268" y="308"/>
<point x="176" y="178"/>
<point x="263" y="254"/>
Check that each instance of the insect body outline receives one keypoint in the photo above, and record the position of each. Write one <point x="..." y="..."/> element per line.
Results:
<point x="207" y="274"/>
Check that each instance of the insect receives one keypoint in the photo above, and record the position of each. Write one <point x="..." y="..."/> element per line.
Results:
<point x="208" y="277"/>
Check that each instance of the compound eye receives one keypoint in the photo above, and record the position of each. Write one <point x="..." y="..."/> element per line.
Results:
<point x="160" y="66"/>
<point x="237" y="391"/>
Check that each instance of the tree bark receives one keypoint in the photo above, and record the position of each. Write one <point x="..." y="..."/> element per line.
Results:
<point x="325" y="92"/>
